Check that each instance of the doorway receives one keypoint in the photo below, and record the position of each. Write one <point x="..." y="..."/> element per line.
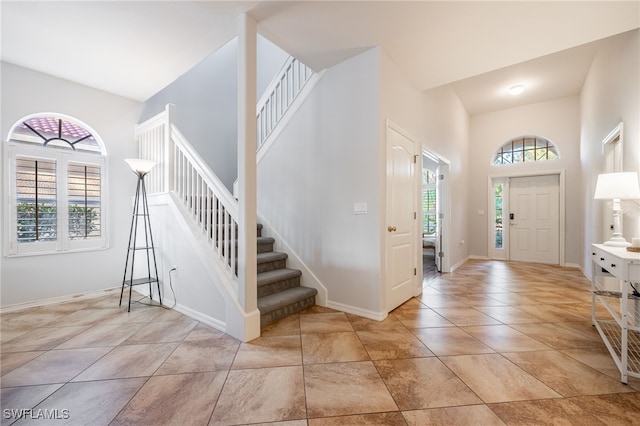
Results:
<point x="435" y="215"/>
<point x="531" y="208"/>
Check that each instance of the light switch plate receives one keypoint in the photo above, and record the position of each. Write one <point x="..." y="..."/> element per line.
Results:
<point x="359" y="208"/>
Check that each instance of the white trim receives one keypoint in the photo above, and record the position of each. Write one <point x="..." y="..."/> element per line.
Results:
<point x="62" y="159"/>
<point x="378" y="316"/>
<point x="461" y="262"/>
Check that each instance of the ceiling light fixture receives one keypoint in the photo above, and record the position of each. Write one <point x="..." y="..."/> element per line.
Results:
<point x="516" y="90"/>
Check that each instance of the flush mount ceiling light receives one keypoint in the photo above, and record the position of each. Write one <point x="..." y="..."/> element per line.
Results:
<point x="516" y="90"/>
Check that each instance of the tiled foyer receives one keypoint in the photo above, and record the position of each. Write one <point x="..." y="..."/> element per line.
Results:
<point x="493" y="343"/>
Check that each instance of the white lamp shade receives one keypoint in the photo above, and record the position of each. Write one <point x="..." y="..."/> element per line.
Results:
<point x="139" y="165"/>
<point x="621" y="186"/>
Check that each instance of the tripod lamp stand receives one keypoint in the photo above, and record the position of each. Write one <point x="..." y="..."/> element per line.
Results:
<point x="136" y="243"/>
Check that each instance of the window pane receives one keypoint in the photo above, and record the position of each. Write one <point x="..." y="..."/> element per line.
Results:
<point x="527" y="149"/>
<point x="84" y="201"/>
<point x="498" y="214"/>
<point x="36" y="200"/>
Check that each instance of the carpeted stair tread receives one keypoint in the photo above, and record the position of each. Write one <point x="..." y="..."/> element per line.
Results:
<point x="266" y="240"/>
<point x="279" y="300"/>
<point x="270" y="257"/>
<point x="270" y="277"/>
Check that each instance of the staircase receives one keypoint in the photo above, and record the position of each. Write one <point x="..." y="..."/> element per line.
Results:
<point x="279" y="291"/>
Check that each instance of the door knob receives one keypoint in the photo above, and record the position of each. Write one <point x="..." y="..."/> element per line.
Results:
<point x="392" y="228"/>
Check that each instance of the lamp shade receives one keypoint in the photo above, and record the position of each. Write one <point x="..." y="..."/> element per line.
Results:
<point x="140" y="166"/>
<point x="621" y="186"/>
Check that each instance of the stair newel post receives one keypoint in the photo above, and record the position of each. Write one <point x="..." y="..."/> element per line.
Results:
<point x="247" y="194"/>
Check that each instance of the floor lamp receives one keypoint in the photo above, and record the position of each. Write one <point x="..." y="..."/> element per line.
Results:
<point x="140" y="211"/>
<point x="616" y="187"/>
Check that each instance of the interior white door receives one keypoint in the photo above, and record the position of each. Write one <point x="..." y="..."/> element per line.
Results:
<point x="402" y="218"/>
<point x="534" y="219"/>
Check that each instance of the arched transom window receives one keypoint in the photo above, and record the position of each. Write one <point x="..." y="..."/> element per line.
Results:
<point x="525" y="149"/>
<point x="56" y="173"/>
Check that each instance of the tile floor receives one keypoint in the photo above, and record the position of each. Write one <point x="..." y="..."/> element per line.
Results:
<point x="493" y="343"/>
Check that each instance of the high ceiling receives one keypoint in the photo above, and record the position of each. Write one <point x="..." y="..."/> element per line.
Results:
<point x="134" y="49"/>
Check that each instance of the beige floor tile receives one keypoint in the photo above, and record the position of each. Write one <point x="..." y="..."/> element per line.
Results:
<point x="320" y="348"/>
<point x="454" y="416"/>
<point x="392" y="344"/>
<point x="552" y="313"/>
<point x="128" y="361"/>
<point x="20" y="398"/>
<point x="591" y="410"/>
<point x="138" y="314"/>
<point x="466" y="316"/>
<point x="600" y="359"/>
<point x="174" y="400"/>
<point x="324" y="323"/>
<point x="162" y="332"/>
<point x="503" y="338"/>
<point x="57" y="366"/>
<point x="379" y="419"/>
<point x="276" y="351"/>
<point x="565" y="375"/>
<point x="9" y="361"/>
<point x="360" y="323"/>
<point x="557" y="336"/>
<point x="479" y="300"/>
<point x="441" y="300"/>
<point x="87" y="316"/>
<point x="204" y="349"/>
<point x="421" y="318"/>
<point x="101" y="335"/>
<point x="288" y="326"/>
<point x="509" y="314"/>
<point x="86" y="403"/>
<point x="451" y="341"/>
<point x="424" y="383"/>
<point x="411" y="304"/>
<point x="345" y="389"/>
<point x="261" y="395"/>
<point x="495" y="379"/>
<point x="42" y="339"/>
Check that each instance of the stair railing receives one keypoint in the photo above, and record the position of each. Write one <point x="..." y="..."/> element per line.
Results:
<point x="182" y="171"/>
<point x="279" y="96"/>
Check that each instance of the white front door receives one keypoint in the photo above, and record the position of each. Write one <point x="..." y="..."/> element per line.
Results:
<point x="534" y="218"/>
<point x="401" y="219"/>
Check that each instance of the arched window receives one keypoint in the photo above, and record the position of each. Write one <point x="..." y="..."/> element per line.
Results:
<point x="525" y="149"/>
<point x="56" y="174"/>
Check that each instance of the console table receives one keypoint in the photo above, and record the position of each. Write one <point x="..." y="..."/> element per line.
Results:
<point x="620" y="326"/>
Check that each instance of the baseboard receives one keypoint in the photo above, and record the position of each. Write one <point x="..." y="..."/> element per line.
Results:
<point x="60" y="299"/>
<point x="378" y="316"/>
<point x="199" y="316"/>
<point x="461" y="262"/>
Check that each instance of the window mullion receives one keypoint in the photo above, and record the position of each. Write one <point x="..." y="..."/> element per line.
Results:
<point x="63" y="205"/>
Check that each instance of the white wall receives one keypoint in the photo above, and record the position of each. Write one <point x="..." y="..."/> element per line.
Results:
<point x="447" y="134"/>
<point x="610" y="95"/>
<point x="439" y="122"/>
<point x="321" y="164"/>
<point x="33" y="278"/>
<point x="206" y="109"/>
<point x="556" y="120"/>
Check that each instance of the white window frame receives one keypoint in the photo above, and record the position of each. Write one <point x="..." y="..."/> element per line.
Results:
<point x="62" y="158"/>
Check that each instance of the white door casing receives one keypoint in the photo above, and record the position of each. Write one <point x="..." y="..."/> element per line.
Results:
<point x="401" y="241"/>
<point x="534" y="229"/>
